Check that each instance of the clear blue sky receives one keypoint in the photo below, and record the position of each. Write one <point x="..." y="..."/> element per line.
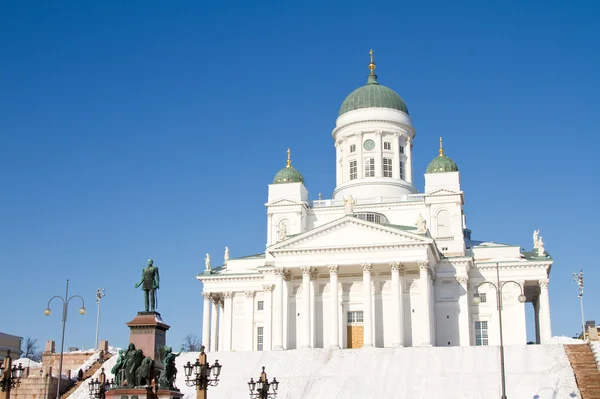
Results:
<point x="132" y="130"/>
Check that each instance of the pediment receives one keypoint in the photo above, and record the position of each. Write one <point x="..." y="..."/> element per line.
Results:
<point x="442" y="192"/>
<point x="350" y="232"/>
<point x="283" y="202"/>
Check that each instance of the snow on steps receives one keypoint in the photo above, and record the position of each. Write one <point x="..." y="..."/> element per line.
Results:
<point x="533" y="371"/>
<point x="585" y="370"/>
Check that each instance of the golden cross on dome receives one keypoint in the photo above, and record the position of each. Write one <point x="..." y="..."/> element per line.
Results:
<point x="289" y="160"/>
<point x="441" y="148"/>
<point x="372" y="63"/>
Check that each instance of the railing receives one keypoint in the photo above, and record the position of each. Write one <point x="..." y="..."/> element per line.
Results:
<point x="368" y="201"/>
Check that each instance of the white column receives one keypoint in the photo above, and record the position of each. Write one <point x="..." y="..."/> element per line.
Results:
<point x="425" y="304"/>
<point x="305" y="306"/>
<point x="206" y="321"/>
<point x="464" y="316"/>
<point x="544" y="307"/>
<point x="268" y="311"/>
<point x="227" y="320"/>
<point x="214" y="321"/>
<point x="249" y="344"/>
<point x="359" y="157"/>
<point x="378" y="154"/>
<point x="398" y="308"/>
<point x="335" y="307"/>
<point x="367" y="306"/>
<point x="278" y="319"/>
<point x="408" y="163"/>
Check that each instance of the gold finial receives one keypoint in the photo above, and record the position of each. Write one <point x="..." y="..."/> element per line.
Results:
<point x="372" y="63"/>
<point x="289" y="160"/>
<point x="441" y="148"/>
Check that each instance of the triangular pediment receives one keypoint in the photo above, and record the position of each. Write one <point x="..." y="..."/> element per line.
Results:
<point x="284" y="202"/>
<point x="442" y="192"/>
<point x="350" y="232"/>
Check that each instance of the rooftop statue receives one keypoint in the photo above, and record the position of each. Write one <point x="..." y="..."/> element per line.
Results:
<point x="150" y="283"/>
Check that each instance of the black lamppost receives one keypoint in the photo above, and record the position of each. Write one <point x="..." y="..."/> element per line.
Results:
<point x="47" y="312"/>
<point x="99" y="386"/>
<point x="477" y="299"/>
<point x="205" y="375"/>
<point x="262" y="389"/>
<point x="10" y="377"/>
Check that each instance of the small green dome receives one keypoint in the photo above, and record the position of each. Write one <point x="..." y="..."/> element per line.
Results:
<point x="373" y="95"/>
<point x="441" y="163"/>
<point x="289" y="174"/>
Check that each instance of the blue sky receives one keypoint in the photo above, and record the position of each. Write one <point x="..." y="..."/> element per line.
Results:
<point x="132" y="130"/>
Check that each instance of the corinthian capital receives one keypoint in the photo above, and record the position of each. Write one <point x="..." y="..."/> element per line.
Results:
<point x="268" y="287"/>
<point x="544" y="283"/>
<point x="250" y="294"/>
<point x="463" y="280"/>
<point x="423" y="265"/>
<point x="333" y="269"/>
<point x="367" y="267"/>
<point x="280" y="271"/>
<point x="206" y="295"/>
<point x="228" y="295"/>
<point x="305" y="270"/>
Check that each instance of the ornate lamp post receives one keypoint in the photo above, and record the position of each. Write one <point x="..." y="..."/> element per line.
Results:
<point x="10" y="375"/>
<point x="262" y="389"/>
<point x="47" y="312"/>
<point x="578" y="277"/>
<point x="205" y="375"/>
<point x="99" y="295"/>
<point x="477" y="299"/>
<point x="99" y="386"/>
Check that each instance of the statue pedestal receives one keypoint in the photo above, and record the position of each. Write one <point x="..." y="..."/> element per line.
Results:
<point x="148" y="332"/>
<point x="142" y="393"/>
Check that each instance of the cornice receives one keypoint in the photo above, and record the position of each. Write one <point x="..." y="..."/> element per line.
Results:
<point x="364" y="248"/>
<point x="395" y="123"/>
<point x="223" y="279"/>
<point x="519" y="265"/>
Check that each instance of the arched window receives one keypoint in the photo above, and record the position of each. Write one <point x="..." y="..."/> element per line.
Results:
<point x="443" y="224"/>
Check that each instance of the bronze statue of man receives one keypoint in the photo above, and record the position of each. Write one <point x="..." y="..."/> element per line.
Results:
<point x="150" y="283"/>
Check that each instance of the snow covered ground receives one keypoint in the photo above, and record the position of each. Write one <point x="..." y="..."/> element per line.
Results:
<point x="533" y="372"/>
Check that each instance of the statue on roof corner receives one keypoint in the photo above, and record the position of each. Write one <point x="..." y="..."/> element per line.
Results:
<point x="150" y="282"/>
<point x="536" y="233"/>
<point x="349" y="203"/>
<point x="421" y="224"/>
<point x="226" y="256"/>
<point x="207" y="262"/>
<point x="540" y="247"/>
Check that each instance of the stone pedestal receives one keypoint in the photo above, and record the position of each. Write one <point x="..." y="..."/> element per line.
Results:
<point x="142" y="393"/>
<point x="148" y="332"/>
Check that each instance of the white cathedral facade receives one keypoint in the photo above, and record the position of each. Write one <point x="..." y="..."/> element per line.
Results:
<point x="379" y="264"/>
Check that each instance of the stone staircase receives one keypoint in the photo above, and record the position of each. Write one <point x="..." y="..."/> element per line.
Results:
<point x="585" y="369"/>
<point x="91" y="371"/>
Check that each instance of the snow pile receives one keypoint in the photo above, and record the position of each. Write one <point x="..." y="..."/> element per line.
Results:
<point x="86" y="365"/>
<point x="26" y="362"/>
<point x="564" y="340"/>
<point x="596" y="351"/>
<point x="533" y="371"/>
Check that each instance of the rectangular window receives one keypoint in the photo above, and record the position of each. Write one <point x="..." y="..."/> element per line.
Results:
<point x="401" y="150"/>
<point x="355" y="317"/>
<point x="481" y="333"/>
<point x="387" y="145"/>
<point x="387" y="167"/>
<point x="353" y="170"/>
<point x="483" y="297"/>
<point x="259" y="338"/>
<point x="260" y="305"/>
<point x="402" y="170"/>
<point x="370" y="167"/>
<point x="352" y="147"/>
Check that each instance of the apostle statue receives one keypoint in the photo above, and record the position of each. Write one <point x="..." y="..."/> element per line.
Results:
<point x="421" y="224"/>
<point x="207" y="262"/>
<point x="349" y="203"/>
<point x="536" y="233"/>
<point x="540" y="247"/>
<point x="282" y="232"/>
<point x="226" y="256"/>
<point x="150" y="283"/>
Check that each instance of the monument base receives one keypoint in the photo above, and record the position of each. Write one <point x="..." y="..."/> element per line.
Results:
<point x="148" y="332"/>
<point x="142" y="393"/>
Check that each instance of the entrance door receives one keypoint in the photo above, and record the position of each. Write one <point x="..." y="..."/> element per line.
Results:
<point x="355" y="329"/>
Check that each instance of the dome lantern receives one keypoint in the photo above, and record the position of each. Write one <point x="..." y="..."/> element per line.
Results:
<point x="441" y="163"/>
<point x="289" y="174"/>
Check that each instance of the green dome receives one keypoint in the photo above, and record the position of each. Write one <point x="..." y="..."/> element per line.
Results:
<point x="441" y="163"/>
<point x="373" y="95"/>
<point x="289" y="174"/>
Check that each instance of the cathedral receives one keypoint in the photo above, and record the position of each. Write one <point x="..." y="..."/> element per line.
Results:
<point x="380" y="264"/>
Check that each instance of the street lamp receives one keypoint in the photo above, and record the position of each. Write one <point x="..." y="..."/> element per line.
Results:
<point x="99" y="295"/>
<point x="47" y="312"/>
<point x="202" y="374"/>
<point x="477" y="299"/>
<point x="10" y="377"/>
<point x="99" y="386"/>
<point x="578" y="277"/>
<point x="262" y="389"/>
